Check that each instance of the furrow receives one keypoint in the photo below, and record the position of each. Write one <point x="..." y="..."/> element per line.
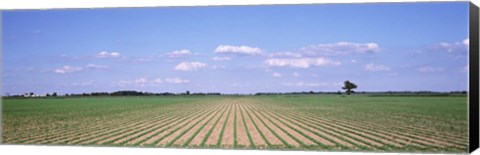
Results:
<point x="160" y="135"/>
<point x="227" y="138"/>
<point x="257" y="138"/>
<point x="243" y="140"/>
<point x="176" y="133"/>
<point x="204" y="135"/>
<point x="194" y="131"/>
<point x="286" y="140"/>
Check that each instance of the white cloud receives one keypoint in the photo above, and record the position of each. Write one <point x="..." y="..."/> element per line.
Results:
<point x="341" y="48"/>
<point x="71" y="69"/>
<point x="221" y="58"/>
<point x="190" y="66"/>
<point x="176" y="80"/>
<point x="466" y="41"/>
<point x="106" y="54"/>
<point x="353" y="61"/>
<point x="138" y="60"/>
<point x="88" y="83"/>
<point x="452" y="47"/>
<point x="276" y="74"/>
<point x="68" y="69"/>
<point x="218" y="67"/>
<point x="124" y="82"/>
<point x="305" y="84"/>
<point x="295" y="74"/>
<point x="94" y="66"/>
<point x="429" y="69"/>
<point x="300" y="62"/>
<point x="239" y="85"/>
<point x="285" y="54"/>
<point x="141" y="81"/>
<point x="372" y="67"/>
<point x="158" y="81"/>
<point x="240" y="50"/>
<point x="235" y="85"/>
<point x="179" y="53"/>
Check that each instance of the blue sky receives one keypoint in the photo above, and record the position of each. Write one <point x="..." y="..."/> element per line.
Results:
<point x="237" y="49"/>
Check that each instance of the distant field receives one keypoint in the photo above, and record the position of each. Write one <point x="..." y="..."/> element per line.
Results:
<point x="294" y="122"/>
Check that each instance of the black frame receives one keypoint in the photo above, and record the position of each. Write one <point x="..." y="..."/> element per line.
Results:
<point x="473" y="78"/>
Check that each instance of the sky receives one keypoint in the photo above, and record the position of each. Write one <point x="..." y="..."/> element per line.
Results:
<point x="237" y="49"/>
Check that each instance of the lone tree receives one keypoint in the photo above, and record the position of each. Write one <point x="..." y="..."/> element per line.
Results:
<point x="348" y="86"/>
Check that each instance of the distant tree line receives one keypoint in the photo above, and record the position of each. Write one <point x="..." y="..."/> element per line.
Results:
<point x="294" y="93"/>
<point x="139" y="93"/>
<point x="368" y="93"/>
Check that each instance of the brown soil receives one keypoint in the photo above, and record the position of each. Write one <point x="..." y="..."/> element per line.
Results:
<point x="308" y="133"/>
<point x="68" y="136"/>
<point x="172" y="126"/>
<point x="418" y="139"/>
<point x="393" y="138"/>
<point x="92" y="137"/>
<point x="271" y="138"/>
<point x="153" y="124"/>
<point x="158" y="125"/>
<point x="279" y="132"/>
<point x="320" y="139"/>
<point x="120" y="132"/>
<point x="242" y="136"/>
<point x="227" y="139"/>
<point x="185" y="126"/>
<point x="176" y="121"/>
<point x="294" y="133"/>
<point x="201" y="135"/>
<point x="332" y="131"/>
<point x="360" y="133"/>
<point x="257" y="138"/>
<point x="214" y="136"/>
<point x="86" y="128"/>
<point x="190" y="133"/>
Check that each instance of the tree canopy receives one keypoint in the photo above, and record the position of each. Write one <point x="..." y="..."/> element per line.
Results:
<point x="348" y="86"/>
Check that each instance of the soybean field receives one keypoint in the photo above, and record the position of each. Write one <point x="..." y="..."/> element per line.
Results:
<point x="287" y="122"/>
